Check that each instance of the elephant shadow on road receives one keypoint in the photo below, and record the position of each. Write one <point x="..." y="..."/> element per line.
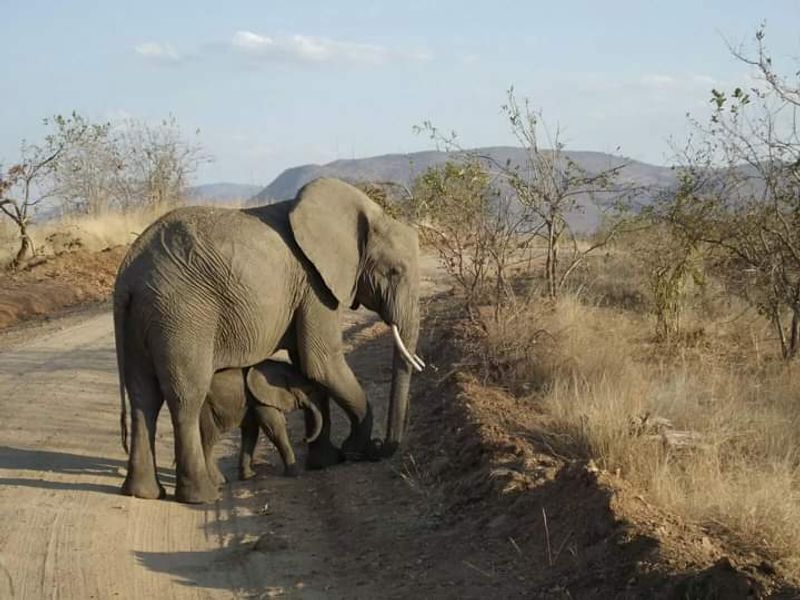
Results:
<point x="22" y="362"/>
<point x="57" y="470"/>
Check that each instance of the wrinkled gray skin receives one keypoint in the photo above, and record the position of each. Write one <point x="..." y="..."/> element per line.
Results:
<point x="205" y="289"/>
<point x="252" y="398"/>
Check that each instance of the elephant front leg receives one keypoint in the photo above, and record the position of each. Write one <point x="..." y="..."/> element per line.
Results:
<point x="321" y="452"/>
<point x="347" y="392"/>
<point x="249" y="430"/>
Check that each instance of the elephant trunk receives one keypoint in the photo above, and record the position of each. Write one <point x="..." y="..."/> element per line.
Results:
<point x="405" y="360"/>
<point x="310" y="405"/>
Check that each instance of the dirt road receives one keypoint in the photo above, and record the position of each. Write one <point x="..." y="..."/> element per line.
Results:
<point x="363" y="530"/>
<point x="353" y="531"/>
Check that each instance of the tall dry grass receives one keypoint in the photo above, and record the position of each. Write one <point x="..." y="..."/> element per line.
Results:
<point x="592" y="365"/>
<point x="94" y="233"/>
<point x="90" y="232"/>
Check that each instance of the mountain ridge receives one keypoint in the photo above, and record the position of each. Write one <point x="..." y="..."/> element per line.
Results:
<point x="404" y="167"/>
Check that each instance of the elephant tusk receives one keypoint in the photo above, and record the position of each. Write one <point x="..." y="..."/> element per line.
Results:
<point x="419" y="361"/>
<point x="398" y="341"/>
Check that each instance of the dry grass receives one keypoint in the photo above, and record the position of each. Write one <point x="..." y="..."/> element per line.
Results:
<point x="92" y="233"/>
<point x="591" y="365"/>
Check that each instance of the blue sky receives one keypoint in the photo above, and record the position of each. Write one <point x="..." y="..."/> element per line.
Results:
<point x="274" y="84"/>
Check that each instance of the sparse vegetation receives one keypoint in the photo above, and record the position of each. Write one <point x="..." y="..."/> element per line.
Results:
<point x="654" y="359"/>
<point x="92" y="170"/>
<point x="739" y="194"/>
<point x="470" y="225"/>
<point x="536" y="197"/>
<point x="32" y="180"/>
<point x="599" y="377"/>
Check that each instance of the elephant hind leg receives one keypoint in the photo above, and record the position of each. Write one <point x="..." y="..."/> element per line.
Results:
<point x="185" y="381"/>
<point x="146" y="400"/>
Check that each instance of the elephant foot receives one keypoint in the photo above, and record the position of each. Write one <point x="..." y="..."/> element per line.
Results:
<point x="359" y="446"/>
<point x="292" y="470"/>
<point x="151" y="490"/>
<point x="323" y="456"/>
<point x="387" y="449"/>
<point x="193" y="493"/>
<point x="246" y="473"/>
<point x="372" y="450"/>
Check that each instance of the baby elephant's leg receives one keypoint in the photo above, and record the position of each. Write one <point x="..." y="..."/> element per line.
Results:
<point x="249" y="429"/>
<point x="273" y="422"/>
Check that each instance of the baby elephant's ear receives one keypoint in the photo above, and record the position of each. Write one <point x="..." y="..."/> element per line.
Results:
<point x="262" y="390"/>
<point x="269" y="387"/>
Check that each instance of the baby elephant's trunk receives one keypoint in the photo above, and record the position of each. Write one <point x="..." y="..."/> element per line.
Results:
<point x="309" y="404"/>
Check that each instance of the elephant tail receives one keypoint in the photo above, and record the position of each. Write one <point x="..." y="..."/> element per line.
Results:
<point x="121" y="302"/>
<point x="317" y="421"/>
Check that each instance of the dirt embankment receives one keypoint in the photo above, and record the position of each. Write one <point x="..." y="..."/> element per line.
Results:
<point x="48" y="285"/>
<point x="553" y="527"/>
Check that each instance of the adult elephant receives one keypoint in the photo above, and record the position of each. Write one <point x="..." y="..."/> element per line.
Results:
<point x="204" y="289"/>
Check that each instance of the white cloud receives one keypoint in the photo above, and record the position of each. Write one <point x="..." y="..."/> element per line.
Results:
<point x="658" y="81"/>
<point x="295" y="48"/>
<point x="157" y="51"/>
<point x="247" y="40"/>
<point x="312" y="49"/>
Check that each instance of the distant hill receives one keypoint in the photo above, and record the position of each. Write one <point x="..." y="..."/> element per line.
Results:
<point x="404" y="168"/>
<point x="222" y="192"/>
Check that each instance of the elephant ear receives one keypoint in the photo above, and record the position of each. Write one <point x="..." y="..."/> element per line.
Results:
<point x="330" y="222"/>
<point x="269" y="388"/>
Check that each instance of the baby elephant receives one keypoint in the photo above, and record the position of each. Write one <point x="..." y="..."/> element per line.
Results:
<point x="253" y="397"/>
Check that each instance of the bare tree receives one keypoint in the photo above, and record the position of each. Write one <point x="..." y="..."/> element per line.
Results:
<point x="29" y="182"/>
<point x="549" y="186"/>
<point x="132" y="164"/>
<point x="87" y="170"/>
<point x="156" y="164"/>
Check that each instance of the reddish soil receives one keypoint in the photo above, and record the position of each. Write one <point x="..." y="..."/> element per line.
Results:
<point x="48" y="285"/>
